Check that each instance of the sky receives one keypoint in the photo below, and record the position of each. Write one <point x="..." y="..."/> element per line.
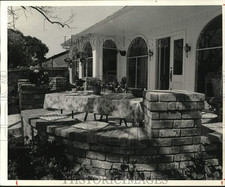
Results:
<point x="53" y="35"/>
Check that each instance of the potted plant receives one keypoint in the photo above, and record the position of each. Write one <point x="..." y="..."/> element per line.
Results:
<point x="96" y="84"/>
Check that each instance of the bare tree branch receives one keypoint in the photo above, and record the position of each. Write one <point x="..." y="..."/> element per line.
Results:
<point x="46" y="17"/>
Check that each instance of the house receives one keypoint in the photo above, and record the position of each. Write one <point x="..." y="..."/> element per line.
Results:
<point x="164" y="47"/>
<point x="56" y="60"/>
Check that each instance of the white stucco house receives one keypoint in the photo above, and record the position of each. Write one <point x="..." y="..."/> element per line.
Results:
<point x="163" y="47"/>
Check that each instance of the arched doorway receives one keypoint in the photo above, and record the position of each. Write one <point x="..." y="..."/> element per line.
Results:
<point x="109" y="61"/>
<point x="209" y="59"/>
<point x="88" y="65"/>
<point x="137" y="63"/>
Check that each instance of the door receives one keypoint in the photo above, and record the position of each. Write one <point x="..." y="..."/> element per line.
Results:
<point x="163" y="63"/>
<point x="176" y="77"/>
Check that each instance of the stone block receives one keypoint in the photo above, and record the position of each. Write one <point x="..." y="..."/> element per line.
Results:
<point x="158" y="106"/>
<point x="183" y="157"/>
<point x="101" y="164"/>
<point x="169" y="133"/>
<point x="146" y="167"/>
<point x="162" y="124"/>
<point x="162" y="158"/>
<point x="141" y="159"/>
<point x="190" y="148"/>
<point x="81" y="145"/>
<point x="170" y="115"/>
<point x="162" y="142"/>
<point x="167" y="97"/>
<point x="190" y="132"/>
<point x="95" y="155"/>
<point x="179" y="124"/>
<point x="168" y="150"/>
<point x="168" y="166"/>
<point x="147" y="151"/>
<point x="191" y="115"/>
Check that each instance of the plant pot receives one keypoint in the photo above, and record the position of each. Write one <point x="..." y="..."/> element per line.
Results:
<point x="97" y="90"/>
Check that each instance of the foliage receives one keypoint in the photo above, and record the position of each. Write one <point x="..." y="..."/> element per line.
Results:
<point x="38" y="76"/>
<point x="79" y="83"/>
<point x="24" y="50"/>
<point x="199" y="170"/>
<point x="95" y="81"/>
<point x="42" y="160"/>
<point x="127" y="170"/>
<point x="117" y="87"/>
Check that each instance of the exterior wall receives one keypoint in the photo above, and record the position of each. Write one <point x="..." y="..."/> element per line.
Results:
<point x="56" y="61"/>
<point x="170" y="138"/>
<point x="191" y="26"/>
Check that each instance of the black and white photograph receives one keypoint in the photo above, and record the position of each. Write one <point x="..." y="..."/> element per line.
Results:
<point x="124" y="93"/>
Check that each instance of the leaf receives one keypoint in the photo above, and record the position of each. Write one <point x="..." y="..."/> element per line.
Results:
<point x="207" y="170"/>
<point x="216" y="175"/>
<point x="194" y="175"/>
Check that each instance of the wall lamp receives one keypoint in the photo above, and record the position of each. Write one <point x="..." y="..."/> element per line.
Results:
<point x="187" y="48"/>
<point x="150" y="53"/>
<point x="122" y="53"/>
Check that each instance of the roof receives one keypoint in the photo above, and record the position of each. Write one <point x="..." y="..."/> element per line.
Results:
<point x="85" y="31"/>
<point x="57" y="55"/>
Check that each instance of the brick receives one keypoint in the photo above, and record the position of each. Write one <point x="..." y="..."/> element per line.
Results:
<point x="190" y="97"/>
<point x="184" y="164"/>
<point x="158" y="106"/>
<point x="77" y="152"/>
<point x="212" y="147"/>
<point x="190" y="132"/>
<point x="169" y="150"/>
<point x="214" y="162"/>
<point x="191" y="115"/>
<point x="179" y="124"/>
<point x="115" y="157"/>
<point x="170" y="115"/>
<point x="190" y="148"/>
<point x="169" y="133"/>
<point x="101" y="164"/>
<point x="146" y="167"/>
<point x="141" y="159"/>
<point x="183" y="157"/>
<point x="155" y="133"/>
<point x="82" y="161"/>
<point x="81" y="145"/>
<point x="168" y="166"/>
<point x="182" y="141"/>
<point x="171" y="105"/>
<point x="186" y="105"/>
<point x="147" y="151"/>
<point x="150" y="96"/>
<point x="153" y="115"/>
<point x="162" y="142"/>
<point x="95" y="155"/>
<point x="201" y="105"/>
<point x="67" y="142"/>
<point x="162" y="124"/>
<point x="162" y="158"/>
<point x="167" y="97"/>
<point x="198" y="123"/>
<point x="197" y="140"/>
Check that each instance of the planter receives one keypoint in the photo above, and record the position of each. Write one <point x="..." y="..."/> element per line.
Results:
<point x="97" y="90"/>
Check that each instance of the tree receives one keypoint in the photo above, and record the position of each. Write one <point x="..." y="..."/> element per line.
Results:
<point x="24" y="50"/>
<point x="46" y="11"/>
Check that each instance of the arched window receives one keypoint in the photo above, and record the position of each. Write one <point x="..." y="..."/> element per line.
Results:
<point x="109" y="61"/>
<point x="209" y="59"/>
<point x="88" y="65"/>
<point x="137" y="63"/>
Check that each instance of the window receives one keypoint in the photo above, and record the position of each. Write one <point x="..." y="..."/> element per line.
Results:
<point x="137" y="63"/>
<point x="209" y="59"/>
<point x="88" y="65"/>
<point x="178" y="57"/>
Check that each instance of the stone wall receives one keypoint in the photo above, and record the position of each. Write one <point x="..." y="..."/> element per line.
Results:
<point x="31" y="96"/>
<point x="170" y="137"/>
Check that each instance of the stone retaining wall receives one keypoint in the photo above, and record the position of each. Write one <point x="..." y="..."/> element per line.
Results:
<point x="170" y="137"/>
